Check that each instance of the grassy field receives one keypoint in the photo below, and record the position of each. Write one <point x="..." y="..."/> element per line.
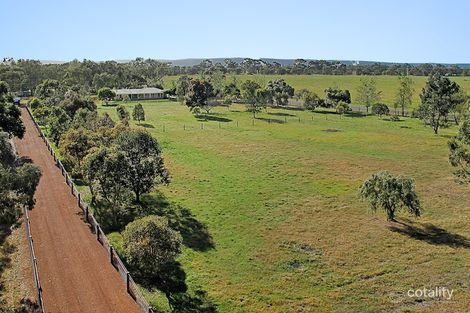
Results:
<point x="318" y="83"/>
<point x="279" y="198"/>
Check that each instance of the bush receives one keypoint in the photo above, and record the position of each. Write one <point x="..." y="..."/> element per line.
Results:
<point x="380" y="109"/>
<point x="34" y="103"/>
<point x="149" y="243"/>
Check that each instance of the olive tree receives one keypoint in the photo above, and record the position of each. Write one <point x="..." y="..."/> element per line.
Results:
<point x="391" y="194"/>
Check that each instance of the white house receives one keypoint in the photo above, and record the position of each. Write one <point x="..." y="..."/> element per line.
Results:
<point x="139" y="94"/>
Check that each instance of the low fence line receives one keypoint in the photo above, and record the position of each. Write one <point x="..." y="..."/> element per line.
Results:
<point x="131" y="286"/>
<point x="37" y="283"/>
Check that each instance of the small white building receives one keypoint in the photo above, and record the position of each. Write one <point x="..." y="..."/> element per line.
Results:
<point x="148" y="93"/>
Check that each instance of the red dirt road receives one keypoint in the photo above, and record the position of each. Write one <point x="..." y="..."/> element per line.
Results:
<point x="74" y="269"/>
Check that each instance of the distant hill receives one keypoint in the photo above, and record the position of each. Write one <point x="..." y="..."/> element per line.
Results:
<point x="285" y="62"/>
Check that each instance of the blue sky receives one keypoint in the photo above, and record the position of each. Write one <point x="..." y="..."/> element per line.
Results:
<point x="399" y="31"/>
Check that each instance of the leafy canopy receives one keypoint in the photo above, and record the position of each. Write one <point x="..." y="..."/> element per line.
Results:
<point x="391" y="194"/>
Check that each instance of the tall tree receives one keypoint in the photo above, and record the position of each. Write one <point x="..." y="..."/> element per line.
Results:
<point x="138" y="113"/>
<point x="145" y="163"/>
<point x="105" y="171"/>
<point x="198" y="94"/>
<point x="459" y="156"/>
<point x="368" y="93"/>
<point x="74" y="145"/>
<point x="438" y="98"/>
<point x="405" y="93"/>
<point x="58" y="122"/>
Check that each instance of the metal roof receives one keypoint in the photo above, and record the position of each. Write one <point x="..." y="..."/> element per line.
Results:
<point x="137" y="91"/>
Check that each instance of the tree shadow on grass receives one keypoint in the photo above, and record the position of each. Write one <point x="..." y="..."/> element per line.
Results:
<point x="430" y="233"/>
<point x="171" y="280"/>
<point x="280" y="114"/>
<point x="195" y="233"/>
<point x="212" y="117"/>
<point x="270" y="120"/>
<point x="290" y="108"/>
<point x="146" y="125"/>
<point x="355" y="114"/>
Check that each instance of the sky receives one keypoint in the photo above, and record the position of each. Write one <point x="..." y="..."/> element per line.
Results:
<point x="394" y="31"/>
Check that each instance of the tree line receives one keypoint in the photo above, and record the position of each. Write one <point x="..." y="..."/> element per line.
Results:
<point x="25" y="75"/>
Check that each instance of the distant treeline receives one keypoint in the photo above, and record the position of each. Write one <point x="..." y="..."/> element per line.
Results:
<point x="23" y="75"/>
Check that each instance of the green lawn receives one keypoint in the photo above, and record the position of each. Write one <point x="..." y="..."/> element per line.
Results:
<point x="280" y="202"/>
<point x="318" y="83"/>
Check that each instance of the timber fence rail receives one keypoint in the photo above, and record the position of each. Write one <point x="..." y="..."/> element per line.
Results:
<point x="132" y="288"/>
<point x="34" y="262"/>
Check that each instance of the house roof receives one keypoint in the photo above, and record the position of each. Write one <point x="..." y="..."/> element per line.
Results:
<point x="137" y="91"/>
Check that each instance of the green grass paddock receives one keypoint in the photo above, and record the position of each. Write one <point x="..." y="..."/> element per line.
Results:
<point x="279" y="198"/>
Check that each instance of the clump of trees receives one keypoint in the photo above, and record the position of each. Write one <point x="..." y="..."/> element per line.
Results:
<point x="334" y="95"/>
<point x="391" y="194"/>
<point x="131" y="164"/>
<point x="280" y="91"/>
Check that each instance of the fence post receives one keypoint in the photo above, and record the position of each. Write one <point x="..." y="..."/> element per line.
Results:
<point x="127" y="282"/>
<point x="79" y="197"/>
<point x="111" y="254"/>
<point x="86" y="213"/>
<point x="97" y="229"/>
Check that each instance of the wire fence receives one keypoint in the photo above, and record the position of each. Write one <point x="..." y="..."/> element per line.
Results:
<point x="132" y="288"/>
